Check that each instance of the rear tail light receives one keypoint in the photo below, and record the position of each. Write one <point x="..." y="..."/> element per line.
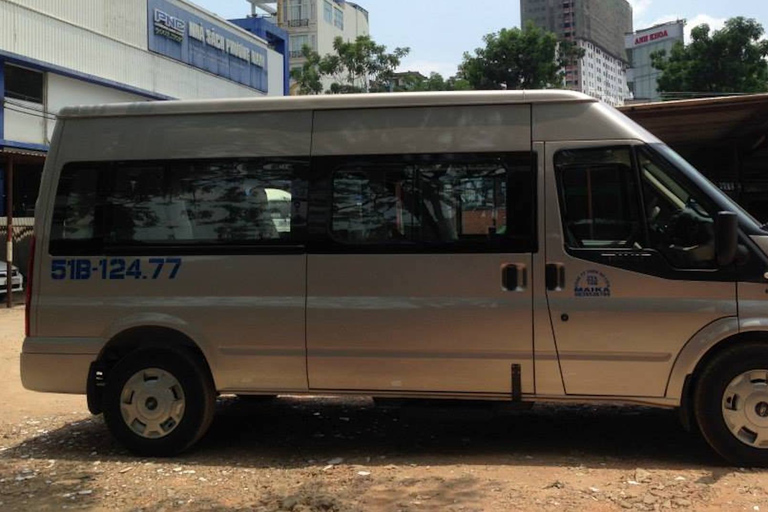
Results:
<point x="28" y="291"/>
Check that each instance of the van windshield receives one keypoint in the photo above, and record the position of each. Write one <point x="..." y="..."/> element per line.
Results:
<point x="723" y="201"/>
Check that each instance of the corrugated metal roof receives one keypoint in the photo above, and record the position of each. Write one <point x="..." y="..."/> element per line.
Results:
<point x="705" y="119"/>
<point x="22" y="152"/>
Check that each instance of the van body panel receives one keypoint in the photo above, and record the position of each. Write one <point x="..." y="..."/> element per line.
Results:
<point x="490" y="128"/>
<point x="433" y="322"/>
<point x="624" y="343"/>
<point x="247" y="311"/>
<point x="585" y="121"/>
<point x="188" y="137"/>
<point x="324" y="102"/>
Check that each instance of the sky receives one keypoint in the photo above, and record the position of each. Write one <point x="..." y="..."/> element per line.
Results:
<point x="438" y="32"/>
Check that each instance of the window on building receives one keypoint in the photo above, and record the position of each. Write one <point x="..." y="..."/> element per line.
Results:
<point x="338" y="18"/>
<point x="327" y="11"/>
<point x="23" y="84"/>
<point x="298" y="10"/>
<point x="298" y="42"/>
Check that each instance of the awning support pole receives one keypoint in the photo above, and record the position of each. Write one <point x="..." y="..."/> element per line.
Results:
<point x="9" y="234"/>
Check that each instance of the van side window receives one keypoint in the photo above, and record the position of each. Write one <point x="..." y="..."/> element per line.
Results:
<point x="74" y="212"/>
<point x="431" y="200"/>
<point x="239" y="202"/>
<point x="599" y="198"/>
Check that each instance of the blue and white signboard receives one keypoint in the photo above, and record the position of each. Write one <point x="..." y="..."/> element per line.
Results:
<point x="183" y="36"/>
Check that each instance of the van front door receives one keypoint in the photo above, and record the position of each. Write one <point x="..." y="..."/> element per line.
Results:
<point x="631" y="271"/>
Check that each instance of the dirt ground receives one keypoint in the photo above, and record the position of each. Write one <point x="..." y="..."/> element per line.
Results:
<point x="323" y="454"/>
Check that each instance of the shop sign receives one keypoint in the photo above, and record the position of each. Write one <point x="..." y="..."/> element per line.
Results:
<point x="182" y="35"/>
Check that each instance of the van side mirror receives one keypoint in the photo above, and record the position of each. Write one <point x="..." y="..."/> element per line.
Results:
<point x="726" y="237"/>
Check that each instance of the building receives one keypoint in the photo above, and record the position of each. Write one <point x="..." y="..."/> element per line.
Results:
<point x="596" y="26"/>
<point x="54" y="54"/>
<point x="314" y="23"/>
<point x="643" y="78"/>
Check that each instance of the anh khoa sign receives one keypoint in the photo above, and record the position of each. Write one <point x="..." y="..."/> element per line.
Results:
<point x="206" y="44"/>
<point x="670" y="32"/>
<point x="661" y="34"/>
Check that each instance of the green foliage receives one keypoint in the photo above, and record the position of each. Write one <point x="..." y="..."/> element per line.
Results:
<point x="731" y="60"/>
<point x="355" y="66"/>
<point x="530" y="58"/>
<point x="435" y="82"/>
<point x="308" y="75"/>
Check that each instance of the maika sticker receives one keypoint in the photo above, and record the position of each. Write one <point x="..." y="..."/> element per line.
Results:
<point x="592" y="283"/>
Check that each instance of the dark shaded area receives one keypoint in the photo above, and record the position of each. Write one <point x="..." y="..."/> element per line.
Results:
<point x="292" y="432"/>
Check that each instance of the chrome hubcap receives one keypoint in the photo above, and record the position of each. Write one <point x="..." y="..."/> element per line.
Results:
<point x="745" y="408"/>
<point x="152" y="403"/>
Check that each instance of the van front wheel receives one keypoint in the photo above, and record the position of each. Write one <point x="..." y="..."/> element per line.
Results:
<point x="731" y="404"/>
<point x="158" y="403"/>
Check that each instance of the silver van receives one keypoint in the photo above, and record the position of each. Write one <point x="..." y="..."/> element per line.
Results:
<point x="509" y="246"/>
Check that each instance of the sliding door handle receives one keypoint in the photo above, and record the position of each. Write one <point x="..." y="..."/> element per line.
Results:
<point x="514" y="277"/>
<point x="555" y="277"/>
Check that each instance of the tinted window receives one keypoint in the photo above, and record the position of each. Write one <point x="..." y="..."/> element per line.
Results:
<point x="195" y="203"/>
<point x="480" y="201"/>
<point x="609" y="200"/>
<point x="599" y="198"/>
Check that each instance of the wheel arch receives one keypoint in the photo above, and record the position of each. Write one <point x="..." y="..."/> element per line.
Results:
<point x="703" y="348"/>
<point x="135" y="338"/>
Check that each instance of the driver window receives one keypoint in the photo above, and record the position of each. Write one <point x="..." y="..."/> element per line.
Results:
<point x="600" y="200"/>
<point x="680" y="221"/>
<point x="598" y="193"/>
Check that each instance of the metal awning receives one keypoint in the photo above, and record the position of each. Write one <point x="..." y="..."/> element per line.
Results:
<point x="706" y="120"/>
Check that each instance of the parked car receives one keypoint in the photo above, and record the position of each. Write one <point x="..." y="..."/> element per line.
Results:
<point x="16" y="278"/>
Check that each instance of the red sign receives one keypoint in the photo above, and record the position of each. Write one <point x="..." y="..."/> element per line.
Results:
<point x="651" y="37"/>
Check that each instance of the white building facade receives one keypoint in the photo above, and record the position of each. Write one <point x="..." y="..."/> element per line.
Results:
<point x="316" y="23"/>
<point x="643" y="77"/>
<point x="600" y="75"/>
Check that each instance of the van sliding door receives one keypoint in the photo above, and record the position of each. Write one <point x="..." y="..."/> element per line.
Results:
<point x="421" y="238"/>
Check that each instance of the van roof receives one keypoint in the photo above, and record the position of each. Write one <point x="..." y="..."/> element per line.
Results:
<point x="324" y="102"/>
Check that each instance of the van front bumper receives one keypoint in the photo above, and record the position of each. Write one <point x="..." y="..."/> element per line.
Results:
<point x="57" y="365"/>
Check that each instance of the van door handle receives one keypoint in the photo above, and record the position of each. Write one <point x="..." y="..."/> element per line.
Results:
<point x="555" y="277"/>
<point x="514" y="277"/>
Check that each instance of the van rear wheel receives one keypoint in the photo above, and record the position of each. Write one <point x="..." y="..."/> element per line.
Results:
<point x="158" y="402"/>
<point x="731" y="404"/>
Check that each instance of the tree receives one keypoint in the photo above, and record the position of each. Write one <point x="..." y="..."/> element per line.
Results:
<point x="415" y="82"/>
<point x="731" y="60"/>
<point x="355" y="66"/>
<point x="308" y="76"/>
<point x="528" y="58"/>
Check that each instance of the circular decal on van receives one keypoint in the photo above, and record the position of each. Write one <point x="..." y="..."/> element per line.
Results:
<point x="592" y="283"/>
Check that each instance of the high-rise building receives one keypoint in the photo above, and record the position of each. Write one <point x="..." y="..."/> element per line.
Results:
<point x="643" y="78"/>
<point x="596" y="26"/>
<point x="315" y="23"/>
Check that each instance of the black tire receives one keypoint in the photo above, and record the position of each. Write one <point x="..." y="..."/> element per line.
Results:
<point x="709" y="395"/>
<point x="199" y="397"/>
